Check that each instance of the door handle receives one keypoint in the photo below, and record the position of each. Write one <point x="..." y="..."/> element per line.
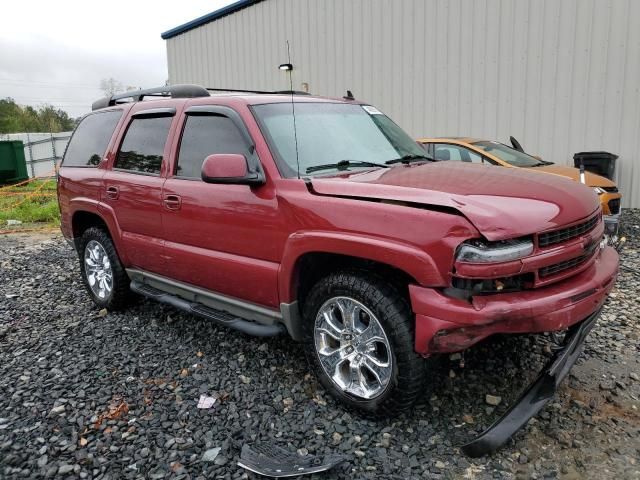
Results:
<point x="172" y="202"/>
<point x="113" y="192"/>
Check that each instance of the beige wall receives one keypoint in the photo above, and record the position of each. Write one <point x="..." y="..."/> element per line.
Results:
<point x="560" y="75"/>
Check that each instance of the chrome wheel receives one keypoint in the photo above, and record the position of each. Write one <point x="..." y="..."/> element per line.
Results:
<point x="352" y="347"/>
<point x="97" y="269"/>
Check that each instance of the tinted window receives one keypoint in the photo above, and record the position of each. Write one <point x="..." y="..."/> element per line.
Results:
<point x="205" y="135"/>
<point x="445" y="151"/>
<point x="143" y="145"/>
<point x="91" y="138"/>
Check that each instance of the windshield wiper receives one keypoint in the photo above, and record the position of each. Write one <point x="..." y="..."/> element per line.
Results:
<point x="344" y="164"/>
<point x="412" y="157"/>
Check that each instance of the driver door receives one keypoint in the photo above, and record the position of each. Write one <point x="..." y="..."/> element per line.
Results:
<point x="220" y="237"/>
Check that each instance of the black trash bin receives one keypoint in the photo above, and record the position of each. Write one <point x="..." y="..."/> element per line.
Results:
<point x="601" y="163"/>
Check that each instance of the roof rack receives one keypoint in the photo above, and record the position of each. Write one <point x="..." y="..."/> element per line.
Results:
<point x="178" y="91"/>
<point x="278" y="92"/>
<point x="173" y="91"/>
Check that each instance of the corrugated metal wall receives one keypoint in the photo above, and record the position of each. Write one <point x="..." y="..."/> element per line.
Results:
<point x="560" y="75"/>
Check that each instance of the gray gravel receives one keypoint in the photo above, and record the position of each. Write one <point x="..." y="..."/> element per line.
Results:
<point x="90" y="394"/>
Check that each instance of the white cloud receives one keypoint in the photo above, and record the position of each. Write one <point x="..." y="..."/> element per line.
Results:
<point x="57" y="52"/>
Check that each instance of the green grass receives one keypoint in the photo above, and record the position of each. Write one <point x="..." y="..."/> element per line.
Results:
<point x="17" y="204"/>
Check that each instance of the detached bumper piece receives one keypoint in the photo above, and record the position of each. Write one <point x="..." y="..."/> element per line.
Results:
<point x="274" y="461"/>
<point x="536" y="395"/>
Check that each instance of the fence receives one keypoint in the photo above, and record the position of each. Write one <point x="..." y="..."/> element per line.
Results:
<point x="42" y="151"/>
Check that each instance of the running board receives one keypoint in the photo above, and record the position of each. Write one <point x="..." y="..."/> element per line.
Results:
<point x="218" y="316"/>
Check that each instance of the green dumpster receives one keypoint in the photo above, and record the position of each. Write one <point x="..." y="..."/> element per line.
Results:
<point x="13" y="167"/>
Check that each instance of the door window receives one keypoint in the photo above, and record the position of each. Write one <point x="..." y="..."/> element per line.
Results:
<point x="143" y="145"/>
<point x="205" y="135"/>
<point x="445" y="151"/>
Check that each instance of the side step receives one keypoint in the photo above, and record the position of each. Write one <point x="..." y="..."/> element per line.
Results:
<point x="218" y="316"/>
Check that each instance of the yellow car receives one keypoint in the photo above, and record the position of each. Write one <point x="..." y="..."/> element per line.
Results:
<point x="495" y="153"/>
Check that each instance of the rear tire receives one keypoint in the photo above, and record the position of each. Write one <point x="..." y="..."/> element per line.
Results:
<point x="102" y="272"/>
<point x="359" y="336"/>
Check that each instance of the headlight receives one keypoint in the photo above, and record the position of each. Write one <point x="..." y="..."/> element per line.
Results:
<point x="599" y="190"/>
<point x="480" y="251"/>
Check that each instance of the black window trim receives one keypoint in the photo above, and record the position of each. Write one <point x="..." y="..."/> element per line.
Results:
<point x="255" y="166"/>
<point x="154" y="112"/>
<point x="149" y="113"/>
<point x="64" y="154"/>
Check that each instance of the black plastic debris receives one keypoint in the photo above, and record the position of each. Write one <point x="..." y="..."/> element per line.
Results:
<point x="274" y="461"/>
<point x="537" y="395"/>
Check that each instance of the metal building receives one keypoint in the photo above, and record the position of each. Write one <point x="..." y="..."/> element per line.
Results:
<point x="562" y="76"/>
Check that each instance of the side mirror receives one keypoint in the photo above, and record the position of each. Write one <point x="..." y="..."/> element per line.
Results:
<point x="230" y="168"/>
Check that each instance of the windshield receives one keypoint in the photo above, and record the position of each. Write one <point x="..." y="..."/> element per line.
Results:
<point x="328" y="133"/>
<point x="508" y="154"/>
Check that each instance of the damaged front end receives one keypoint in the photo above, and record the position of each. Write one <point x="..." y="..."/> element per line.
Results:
<point x="555" y="281"/>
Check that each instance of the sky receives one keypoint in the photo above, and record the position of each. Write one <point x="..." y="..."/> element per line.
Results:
<point x="58" y="52"/>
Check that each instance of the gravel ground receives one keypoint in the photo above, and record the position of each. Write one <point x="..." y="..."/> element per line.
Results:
<point x="93" y="394"/>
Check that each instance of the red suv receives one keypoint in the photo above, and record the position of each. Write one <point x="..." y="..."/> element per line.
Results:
<point x="322" y="219"/>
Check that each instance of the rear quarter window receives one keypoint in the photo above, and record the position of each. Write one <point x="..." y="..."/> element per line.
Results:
<point x="90" y="140"/>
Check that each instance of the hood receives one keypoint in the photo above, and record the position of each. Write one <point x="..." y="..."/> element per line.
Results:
<point x="592" y="179"/>
<point x="500" y="202"/>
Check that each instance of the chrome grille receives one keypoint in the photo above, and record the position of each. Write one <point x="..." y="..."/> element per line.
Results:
<point x="562" y="235"/>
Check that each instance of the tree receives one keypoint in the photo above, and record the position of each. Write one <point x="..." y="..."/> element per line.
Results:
<point x="54" y="120"/>
<point x="15" y="118"/>
<point x="10" y="116"/>
<point x="110" y="86"/>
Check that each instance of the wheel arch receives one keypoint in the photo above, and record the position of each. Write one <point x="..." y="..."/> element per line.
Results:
<point x="308" y="256"/>
<point x="83" y="219"/>
<point x="87" y="216"/>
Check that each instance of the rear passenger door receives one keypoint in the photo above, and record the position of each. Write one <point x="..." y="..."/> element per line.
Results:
<point x="220" y="237"/>
<point x="133" y="187"/>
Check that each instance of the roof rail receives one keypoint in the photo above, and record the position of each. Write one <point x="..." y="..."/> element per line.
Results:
<point x="278" y="92"/>
<point x="173" y="91"/>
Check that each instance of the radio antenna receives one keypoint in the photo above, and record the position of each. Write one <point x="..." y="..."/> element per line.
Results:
<point x="293" y="107"/>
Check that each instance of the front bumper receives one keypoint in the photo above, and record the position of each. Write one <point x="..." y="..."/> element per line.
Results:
<point x="445" y="324"/>
<point x="536" y="395"/>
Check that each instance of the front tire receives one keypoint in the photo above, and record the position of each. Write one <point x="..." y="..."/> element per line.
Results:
<point x="102" y="273"/>
<point x="360" y="343"/>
